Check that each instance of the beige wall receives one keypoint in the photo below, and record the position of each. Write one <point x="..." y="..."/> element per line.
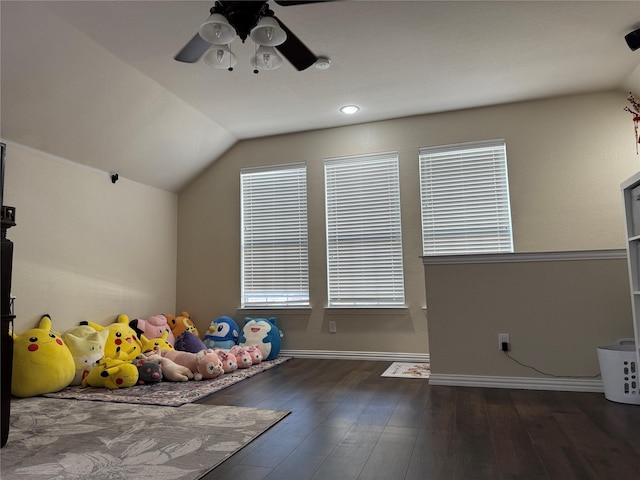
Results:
<point x="566" y="156"/>
<point x="84" y="248"/>
<point x="555" y="312"/>
<point x="88" y="249"/>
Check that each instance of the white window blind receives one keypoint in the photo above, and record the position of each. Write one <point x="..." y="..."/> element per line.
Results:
<point x="465" y="199"/>
<point x="274" y="236"/>
<point x="364" y="234"/>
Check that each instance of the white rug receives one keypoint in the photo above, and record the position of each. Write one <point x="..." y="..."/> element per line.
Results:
<point x="407" y="370"/>
<point x="81" y="440"/>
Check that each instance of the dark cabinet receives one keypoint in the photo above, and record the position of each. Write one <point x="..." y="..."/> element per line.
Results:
<point x="6" y="340"/>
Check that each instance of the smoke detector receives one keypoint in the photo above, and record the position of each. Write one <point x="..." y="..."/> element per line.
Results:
<point x="323" y="63"/>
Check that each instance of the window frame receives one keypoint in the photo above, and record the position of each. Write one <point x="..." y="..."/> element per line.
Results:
<point x="483" y="181"/>
<point x="370" y="262"/>
<point x="258" y="269"/>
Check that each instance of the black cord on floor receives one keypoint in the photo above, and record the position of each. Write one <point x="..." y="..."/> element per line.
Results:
<point x="506" y="354"/>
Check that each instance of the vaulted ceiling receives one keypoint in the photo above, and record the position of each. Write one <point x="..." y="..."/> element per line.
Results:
<point x="95" y="82"/>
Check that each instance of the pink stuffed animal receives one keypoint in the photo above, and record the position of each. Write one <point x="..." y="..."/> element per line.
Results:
<point x="170" y="369"/>
<point x="255" y="354"/>
<point x="205" y="364"/>
<point x="242" y="356"/>
<point x="153" y="327"/>
<point x="229" y="362"/>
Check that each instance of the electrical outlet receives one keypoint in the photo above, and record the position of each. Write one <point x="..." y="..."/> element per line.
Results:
<point x="332" y="326"/>
<point x="503" y="338"/>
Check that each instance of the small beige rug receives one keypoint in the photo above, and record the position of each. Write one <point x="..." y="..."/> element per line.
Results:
<point x="407" y="370"/>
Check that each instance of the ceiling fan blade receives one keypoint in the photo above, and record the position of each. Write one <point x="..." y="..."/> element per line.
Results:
<point x="288" y="3"/>
<point x="295" y="51"/>
<point x="193" y="50"/>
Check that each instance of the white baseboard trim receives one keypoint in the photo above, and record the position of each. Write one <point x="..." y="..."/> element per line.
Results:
<point x="347" y="355"/>
<point x="522" y="383"/>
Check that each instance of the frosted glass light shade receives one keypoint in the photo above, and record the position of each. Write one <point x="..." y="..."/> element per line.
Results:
<point x="266" y="58"/>
<point x="268" y="32"/>
<point x="219" y="56"/>
<point x="216" y="30"/>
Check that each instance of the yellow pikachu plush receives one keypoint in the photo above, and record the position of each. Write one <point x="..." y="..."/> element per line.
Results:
<point x="122" y="338"/>
<point x="161" y="343"/>
<point x="112" y="373"/>
<point x="42" y="362"/>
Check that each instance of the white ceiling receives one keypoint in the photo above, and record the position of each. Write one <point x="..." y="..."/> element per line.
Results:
<point x="95" y="82"/>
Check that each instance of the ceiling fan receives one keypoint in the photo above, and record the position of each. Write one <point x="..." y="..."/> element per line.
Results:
<point x="241" y="18"/>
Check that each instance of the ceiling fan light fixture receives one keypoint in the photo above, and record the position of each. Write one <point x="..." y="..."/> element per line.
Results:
<point x="220" y="56"/>
<point x="268" y="32"/>
<point x="349" y="109"/>
<point x="217" y="30"/>
<point x="230" y="19"/>
<point x="266" y="58"/>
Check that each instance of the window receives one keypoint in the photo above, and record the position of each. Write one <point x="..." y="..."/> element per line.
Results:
<point x="364" y="234"/>
<point x="465" y="199"/>
<point x="275" y="268"/>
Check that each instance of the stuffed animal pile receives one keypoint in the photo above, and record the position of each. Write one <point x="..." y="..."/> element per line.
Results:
<point x="142" y="351"/>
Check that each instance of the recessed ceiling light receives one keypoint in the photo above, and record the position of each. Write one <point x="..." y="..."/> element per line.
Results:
<point x="349" y="109"/>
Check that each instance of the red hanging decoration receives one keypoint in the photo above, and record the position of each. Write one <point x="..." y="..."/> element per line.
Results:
<point x="635" y="111"/>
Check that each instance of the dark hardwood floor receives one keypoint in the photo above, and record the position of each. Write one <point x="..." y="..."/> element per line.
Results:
<point x="347" y="422"/>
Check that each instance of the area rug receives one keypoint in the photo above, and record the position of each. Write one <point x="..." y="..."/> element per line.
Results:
<point x="407" y="370"/>
<point x="168" y="394"/>
<point x="78" y="440"/>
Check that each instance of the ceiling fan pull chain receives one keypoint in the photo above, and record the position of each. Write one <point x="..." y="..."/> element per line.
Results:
<point x="255" y="58"/>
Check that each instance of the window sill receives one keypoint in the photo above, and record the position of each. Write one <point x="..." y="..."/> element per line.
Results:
<point x="525" y="257"/>
<point x="362" y="310"/>
<point x="270" y="311"/>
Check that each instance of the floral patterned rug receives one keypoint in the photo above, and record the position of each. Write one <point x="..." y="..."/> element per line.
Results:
<point x="79" y="440"/>
<point x="169" y="394"/>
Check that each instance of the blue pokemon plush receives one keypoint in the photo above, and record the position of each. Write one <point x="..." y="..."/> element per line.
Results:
<point x="264" y="334"/>
<point x="223" y="333"/>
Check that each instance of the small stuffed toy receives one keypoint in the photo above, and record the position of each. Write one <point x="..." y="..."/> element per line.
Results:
<point x="170" y="369"/>
<point x="148" y="371"/>
<point x="243" y="359"/>
<point x="122" y="338"/>
<point x="112" y="373"/>
<point x="162" y="343"/>
<point x="223" y="333"/>
<point x="228" y="359"/>
<point x="87" y="348"/>
<point x="204" y="364"/>
<point x="153" y="327"/>
<point x="188" y="342"/>
<point x="255" y="354"/>
<point x="42" y="362"/>
<point x="264" y="333"/>
<point x="182" y="323"/>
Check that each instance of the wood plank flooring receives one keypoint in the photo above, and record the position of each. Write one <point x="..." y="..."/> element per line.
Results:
<point x="347" y="422"/>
